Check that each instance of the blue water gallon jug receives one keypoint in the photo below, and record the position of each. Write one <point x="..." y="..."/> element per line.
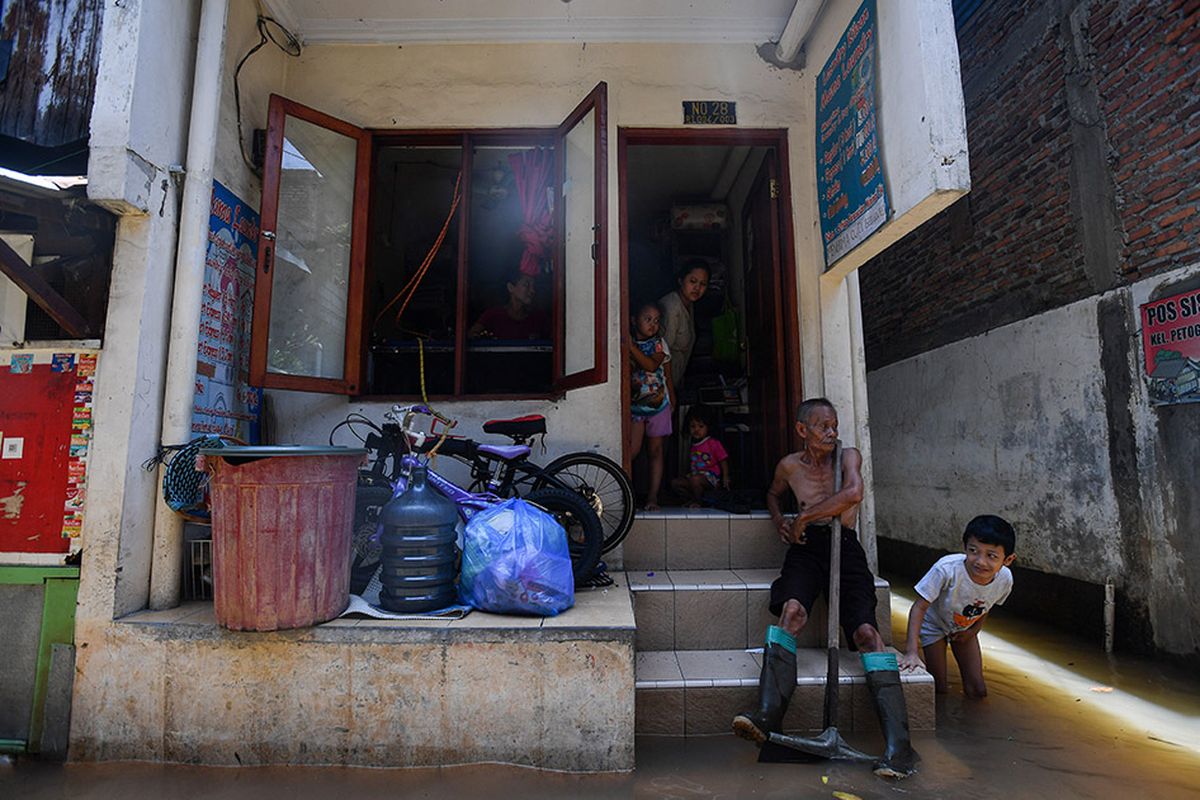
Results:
<point x="418" y="554"/>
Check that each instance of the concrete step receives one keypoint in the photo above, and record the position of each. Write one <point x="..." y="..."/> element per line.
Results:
<point x="700" y="539"/>
<point x="721" y="609"/>
<point x="694" y="693"/>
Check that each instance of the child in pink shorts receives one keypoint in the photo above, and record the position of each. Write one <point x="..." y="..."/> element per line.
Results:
<point x="649" y="379"/>
<point x="708" y="463"/>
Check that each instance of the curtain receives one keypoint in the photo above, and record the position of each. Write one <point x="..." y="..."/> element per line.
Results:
<point x="533" y="170"/>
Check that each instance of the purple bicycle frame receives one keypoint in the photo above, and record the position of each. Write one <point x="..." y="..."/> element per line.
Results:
<point x="466" y="502"/>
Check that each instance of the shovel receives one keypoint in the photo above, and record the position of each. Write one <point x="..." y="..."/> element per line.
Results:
<point x="829" y="744"/>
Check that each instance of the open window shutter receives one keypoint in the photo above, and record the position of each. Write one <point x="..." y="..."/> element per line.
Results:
<point x="581" y="263"/>
<point x="308" y="331"/>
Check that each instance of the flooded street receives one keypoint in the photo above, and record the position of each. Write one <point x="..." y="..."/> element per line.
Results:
<point x="1061" y="721"/>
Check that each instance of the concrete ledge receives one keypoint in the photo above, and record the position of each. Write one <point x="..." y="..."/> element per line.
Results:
<point x="554" y="693"/>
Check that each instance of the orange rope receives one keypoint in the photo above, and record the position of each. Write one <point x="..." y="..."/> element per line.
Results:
<point x="410" y="288"/>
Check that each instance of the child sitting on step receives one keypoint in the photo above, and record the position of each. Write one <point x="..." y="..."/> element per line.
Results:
<point x="954" y="599"/>
<point x="708" y="462"/>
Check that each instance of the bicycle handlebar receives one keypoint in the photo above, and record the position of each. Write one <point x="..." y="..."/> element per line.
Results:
<point x="404" y="415"/>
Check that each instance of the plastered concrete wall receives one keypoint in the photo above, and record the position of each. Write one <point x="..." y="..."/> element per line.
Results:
<point x="368" y="697"/>
<point x="420" y="86"/>
<point x="1011" y="423"/>
<point x="139" y="124"/>
<point x="1165" y="534"/>
<point x="1048" y="422"/>
<point x="416" y="86"/>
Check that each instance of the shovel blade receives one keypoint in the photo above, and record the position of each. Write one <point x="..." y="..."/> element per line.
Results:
<point x="829" y="744"/>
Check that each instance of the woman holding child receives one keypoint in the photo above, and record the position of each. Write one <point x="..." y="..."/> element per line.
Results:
<point x="678" y="320"/>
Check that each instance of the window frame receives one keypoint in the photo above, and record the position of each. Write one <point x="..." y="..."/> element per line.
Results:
<point x="370" y="143"/>
<point x="353" y="364"/>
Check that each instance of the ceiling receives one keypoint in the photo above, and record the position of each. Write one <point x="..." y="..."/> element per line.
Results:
<point x="411" y="21"/>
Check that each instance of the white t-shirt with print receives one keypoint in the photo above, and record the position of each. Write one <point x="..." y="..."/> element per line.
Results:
<point x="955" y="601"/>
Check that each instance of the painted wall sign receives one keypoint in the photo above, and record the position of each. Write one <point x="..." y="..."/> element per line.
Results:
<point x="709" y="112"/>
<point x="1171" y="344"/>
<point x="853" y="199"/>
<point x="225" y="403"/>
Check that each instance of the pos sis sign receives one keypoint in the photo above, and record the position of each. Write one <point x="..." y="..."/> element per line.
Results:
<point x="1171" y="343"/>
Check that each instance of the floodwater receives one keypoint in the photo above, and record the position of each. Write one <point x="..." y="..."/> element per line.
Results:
<point x="1062" y="720"/>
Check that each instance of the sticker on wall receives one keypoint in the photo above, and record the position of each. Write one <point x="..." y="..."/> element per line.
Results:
<point x="86" y="366"/>
<point x="62" y="362"/>
<point x="21" y="363"/>
<point x="13" y="447"/>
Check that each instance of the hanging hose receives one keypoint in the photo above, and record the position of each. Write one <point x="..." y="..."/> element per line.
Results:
<point x="410" y="288"/>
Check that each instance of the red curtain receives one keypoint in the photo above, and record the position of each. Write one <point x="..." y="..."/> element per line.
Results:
<point x="533" y="170"/>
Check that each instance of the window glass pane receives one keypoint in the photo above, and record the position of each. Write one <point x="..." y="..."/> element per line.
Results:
<point x="509" y="347"/>
<point x="412" y="194"/>
<point x="579" y="270"/>
<point x="312" y="255"/>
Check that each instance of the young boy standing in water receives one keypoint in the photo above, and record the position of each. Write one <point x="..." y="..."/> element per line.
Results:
<point x="954" y="599"/>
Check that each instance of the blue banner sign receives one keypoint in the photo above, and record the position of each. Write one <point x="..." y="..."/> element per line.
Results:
<point x="225" y="403"/>
<point x="852" y="198"/>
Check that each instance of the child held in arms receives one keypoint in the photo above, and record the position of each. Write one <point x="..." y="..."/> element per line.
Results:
<point x="954" y="599"/>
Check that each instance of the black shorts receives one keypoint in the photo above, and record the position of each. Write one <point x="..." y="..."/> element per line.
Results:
<point x="805" y="576"/>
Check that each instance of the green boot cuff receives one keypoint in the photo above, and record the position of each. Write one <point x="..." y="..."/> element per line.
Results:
<point x="777" y="635"/>
<point x="879" y="662"/>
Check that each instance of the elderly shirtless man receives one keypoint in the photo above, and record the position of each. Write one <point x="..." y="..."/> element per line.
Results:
<point x="809" y="474"/>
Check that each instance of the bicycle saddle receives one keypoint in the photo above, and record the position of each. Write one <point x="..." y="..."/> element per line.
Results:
<point x="530" y="425"/>
<point x="507" y="452"/>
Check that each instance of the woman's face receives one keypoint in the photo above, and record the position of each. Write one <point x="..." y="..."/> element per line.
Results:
<point x="693" y="285"/>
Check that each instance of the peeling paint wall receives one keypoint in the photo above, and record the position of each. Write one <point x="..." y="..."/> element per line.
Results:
<point x="1011" y="423"/>
<point x="1048" y="423"/>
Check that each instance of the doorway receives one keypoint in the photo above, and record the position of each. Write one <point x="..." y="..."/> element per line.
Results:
<point x="720" y="198"/>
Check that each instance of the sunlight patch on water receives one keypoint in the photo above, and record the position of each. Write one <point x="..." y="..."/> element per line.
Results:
<point x="1153" y="720"/>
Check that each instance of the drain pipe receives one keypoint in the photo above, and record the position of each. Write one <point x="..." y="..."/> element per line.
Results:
<point x="166" y="568"/>
<point x="1110" y="613"/>
<point x="798" y="26"/>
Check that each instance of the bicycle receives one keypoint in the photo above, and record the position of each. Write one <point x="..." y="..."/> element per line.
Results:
<point x="394" y="449"/>
<point x="508" y="471"/>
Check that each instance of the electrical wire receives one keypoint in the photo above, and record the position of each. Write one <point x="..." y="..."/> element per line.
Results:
<point x="290" y="46"/>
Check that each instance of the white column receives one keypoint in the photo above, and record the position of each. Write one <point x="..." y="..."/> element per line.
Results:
<point x="180" y="389"/>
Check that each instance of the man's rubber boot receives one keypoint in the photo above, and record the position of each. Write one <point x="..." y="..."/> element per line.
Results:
<point x="775" y="687"/>
<point x="899" y="760"/>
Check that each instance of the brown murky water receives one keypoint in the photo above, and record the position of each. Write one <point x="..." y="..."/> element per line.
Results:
<point x="1050" y="728"/>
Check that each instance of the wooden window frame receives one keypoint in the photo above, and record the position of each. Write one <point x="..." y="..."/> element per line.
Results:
<point x="370" y="141"/>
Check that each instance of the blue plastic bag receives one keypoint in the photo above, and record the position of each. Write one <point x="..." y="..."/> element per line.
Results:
<point x="515" y="561"/>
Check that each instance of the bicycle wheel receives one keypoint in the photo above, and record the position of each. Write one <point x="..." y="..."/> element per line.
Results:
<point x="580" y="522"/>
<point x="606" y="488"/>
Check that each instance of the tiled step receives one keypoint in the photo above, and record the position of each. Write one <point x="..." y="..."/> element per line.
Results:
<point x="691" y="693"/>
<point x="722" y="609"/>
<point x="701" y="539"/>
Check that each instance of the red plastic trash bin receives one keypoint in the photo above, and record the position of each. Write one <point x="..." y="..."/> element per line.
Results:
<point x="281" y="529"/>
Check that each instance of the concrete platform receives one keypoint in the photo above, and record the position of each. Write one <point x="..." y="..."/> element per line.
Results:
<point x="555" y="693"/>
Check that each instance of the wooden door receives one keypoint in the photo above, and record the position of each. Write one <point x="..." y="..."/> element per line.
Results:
<point x="764" y="324"/>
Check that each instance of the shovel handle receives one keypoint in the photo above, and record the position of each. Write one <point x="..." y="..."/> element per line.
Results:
<point x="834" y="597"/>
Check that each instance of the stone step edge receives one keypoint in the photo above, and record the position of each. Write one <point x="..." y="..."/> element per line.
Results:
<point x="637" y="584"/>
<point x="919" y="676"/>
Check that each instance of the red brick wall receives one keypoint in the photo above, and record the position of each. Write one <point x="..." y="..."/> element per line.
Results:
<point x="1013" y="247"/>
<point x="1150" y="90"/>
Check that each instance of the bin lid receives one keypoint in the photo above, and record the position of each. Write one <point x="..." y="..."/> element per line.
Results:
<point x="267" y="450"/>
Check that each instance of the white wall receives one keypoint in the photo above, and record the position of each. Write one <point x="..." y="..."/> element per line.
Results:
<point x="138" y="129"/>
<point x="418" y="86"/>
<point x="921" y="126"/>
<point x="1012" y="423"/>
